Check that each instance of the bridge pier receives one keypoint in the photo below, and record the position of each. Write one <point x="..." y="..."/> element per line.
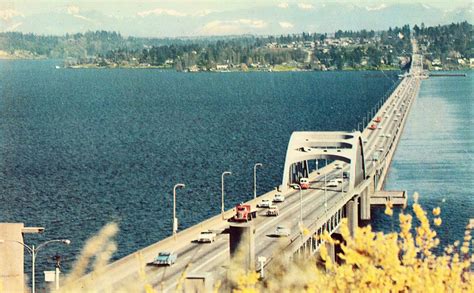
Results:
<point x="365" y="205"/>
<point x="352" y="215"/>
<point x="242" y="245"/>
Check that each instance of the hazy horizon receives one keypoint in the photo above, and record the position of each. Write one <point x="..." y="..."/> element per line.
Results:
<point x="184" y="18"/>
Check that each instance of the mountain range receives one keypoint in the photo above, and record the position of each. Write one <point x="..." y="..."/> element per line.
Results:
<point x="261" y="20"/>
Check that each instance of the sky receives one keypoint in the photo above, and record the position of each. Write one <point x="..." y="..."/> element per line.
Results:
<point x="130" y="7"/>
<point x="222" y="17"/>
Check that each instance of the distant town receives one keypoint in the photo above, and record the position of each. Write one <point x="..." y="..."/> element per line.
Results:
<point x="444" y="48"/>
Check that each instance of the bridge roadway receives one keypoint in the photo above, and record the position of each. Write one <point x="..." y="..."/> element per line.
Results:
<point x="214" y="257"/>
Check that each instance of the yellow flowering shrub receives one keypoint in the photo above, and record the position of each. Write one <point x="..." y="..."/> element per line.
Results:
<point x="379" y="262"/>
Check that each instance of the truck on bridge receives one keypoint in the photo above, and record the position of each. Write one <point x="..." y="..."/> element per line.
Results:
<point x="244" y="213"/>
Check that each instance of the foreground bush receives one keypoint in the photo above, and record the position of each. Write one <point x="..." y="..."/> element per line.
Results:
<point x="372" y="261"/>
<point x="378" y="262"/>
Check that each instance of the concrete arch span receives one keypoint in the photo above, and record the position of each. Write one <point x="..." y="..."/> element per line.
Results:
<point x="306" y="145"/>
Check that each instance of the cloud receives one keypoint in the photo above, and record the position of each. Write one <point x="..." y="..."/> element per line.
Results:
<point x="83" y="18"/>
<point x="72" y="9"/>
<point x="375" y="8"/>
<point x="285" y="24"/>
<point x="161" y="11"/>
<point x="13" y="26"/>
<point x="305" y="6"/>
<point x="8" y="14"/>
<point x="283" y="5"/>
<point x="227" y="27"/>
<point x="204" y="12"/>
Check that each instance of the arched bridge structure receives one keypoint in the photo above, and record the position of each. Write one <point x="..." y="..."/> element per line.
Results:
<point x="306" y="145"/>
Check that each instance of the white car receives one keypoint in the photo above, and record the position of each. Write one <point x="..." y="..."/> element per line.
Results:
<point x="273" y="211"/>
<point x="265" y="203"/>
<point x="333" y="183"/>
<point x="380" y="127"/>
<point x="282" y="231"/>
<point x="207" y="236"/>
<point x="279" y="198"/>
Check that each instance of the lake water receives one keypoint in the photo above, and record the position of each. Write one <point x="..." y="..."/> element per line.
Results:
<point x="435" y="155"/>
<point x="80" y="148"/>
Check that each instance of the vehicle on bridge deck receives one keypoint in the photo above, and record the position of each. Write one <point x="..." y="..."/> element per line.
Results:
<point x="165" y="258"/>
<point x="273" y="211"/>
<point x="345" y="175"/>
<point x="279" y="198"/>
<point x="207" y="236"/>
<point x="304" y="183"/>
<point x="265" y="203"/>
<point x="373" y="127"/>
<point x="378" y="119"/>
<point x="243" y="213"/>
<point x="333" y="183"/>
<point x="338" y="166"/>
<point x="282" y="231"/>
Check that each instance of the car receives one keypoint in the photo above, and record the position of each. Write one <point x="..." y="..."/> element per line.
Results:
<point x="207" y="236"/>
<point x="282" y="231"/>
<point x="338" y="166"/>
<point x="273" y="211"/>
<point x="388" y="135"/>
<point x="279" y="198"/>
<point x="380" y="150"/>
<point x="265" y="203"/>
<point x="345" y="175"/>
<point x="380" y="127"/>
<point x="332" y="183"/>
<point x="398" y="115"/>
<point x="165" y="258"/>
<point x="304" y="183"/>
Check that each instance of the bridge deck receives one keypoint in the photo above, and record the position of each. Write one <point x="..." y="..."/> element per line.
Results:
<point x="397" y="198"/>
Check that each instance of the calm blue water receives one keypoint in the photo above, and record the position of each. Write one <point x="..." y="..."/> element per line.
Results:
<point x="80" y="148"/>
<point x="435" y="155"/>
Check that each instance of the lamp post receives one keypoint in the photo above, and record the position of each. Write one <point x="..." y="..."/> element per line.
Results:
<point x="34" y="252"/>
<point x="255" y="179"/>
<point x="222" y="189"/>
<point x="175" y="220"/>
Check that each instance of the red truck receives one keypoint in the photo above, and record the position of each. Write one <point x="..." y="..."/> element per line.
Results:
<point x="244" y="213"/>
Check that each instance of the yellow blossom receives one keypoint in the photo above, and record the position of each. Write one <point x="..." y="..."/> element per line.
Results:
<point x="437" y="211"/>
<point x="437" y="221"/>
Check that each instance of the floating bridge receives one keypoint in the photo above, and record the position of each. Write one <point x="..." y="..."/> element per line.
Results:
<point x="358" y="161"/>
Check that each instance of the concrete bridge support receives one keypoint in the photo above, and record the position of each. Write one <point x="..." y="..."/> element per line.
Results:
<point x="352" y="215"/>
<point x="331" y="248"/>
<point x="365" y="205"/>
<point x="242" y="245"/>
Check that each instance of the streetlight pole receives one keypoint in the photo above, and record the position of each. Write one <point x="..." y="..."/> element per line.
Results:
<point x="175" y="220"/>
<point x="222" y="191"/>
<point x="255" y="179"/>
<point x="34" y="252"/>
